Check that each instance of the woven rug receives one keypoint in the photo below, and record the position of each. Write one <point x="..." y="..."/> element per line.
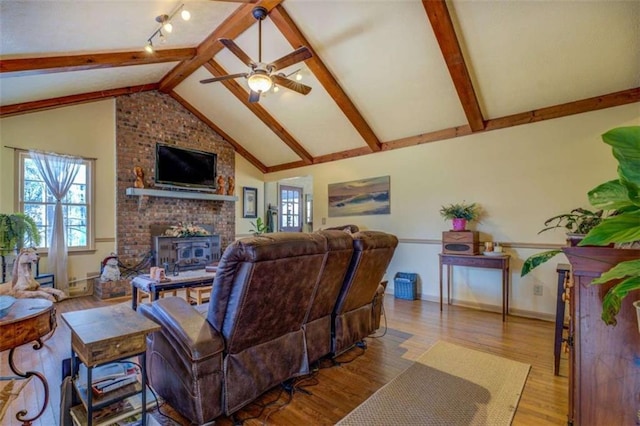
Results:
<point x="9" y="390"/>
<point x="447" y="385"/>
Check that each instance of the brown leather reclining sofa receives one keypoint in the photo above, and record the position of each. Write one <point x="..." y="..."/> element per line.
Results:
<point x="279" y="303"/>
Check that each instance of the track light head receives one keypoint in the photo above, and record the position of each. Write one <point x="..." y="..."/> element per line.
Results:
<point x="149" y="46"/>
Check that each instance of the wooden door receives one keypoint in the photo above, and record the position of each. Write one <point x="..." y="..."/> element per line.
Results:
<point x="290" y="209"/>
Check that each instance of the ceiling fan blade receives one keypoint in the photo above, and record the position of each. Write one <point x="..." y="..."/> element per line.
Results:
<point x="254" y="96"/>
<point x="224" y="77"/>
<point x="291" y="85"/>
<point x="235" y="49"/>
<point x="294" y="57"/>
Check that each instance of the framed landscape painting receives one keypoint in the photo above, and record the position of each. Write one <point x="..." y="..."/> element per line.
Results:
<point x="360" y="197"/>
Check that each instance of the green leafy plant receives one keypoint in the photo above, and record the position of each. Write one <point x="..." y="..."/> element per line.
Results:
<point x="16" y="231"/>
<point x="623" y="227"/>
<point x="623" y="195"/>
<point x="578" y="221"/>
<point x="470" y="212"/>
<point x="259" y="227"/>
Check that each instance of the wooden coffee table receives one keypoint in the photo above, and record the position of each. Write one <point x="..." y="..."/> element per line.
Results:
<point x="186" y="279"/>
<point x="28" y="320"/>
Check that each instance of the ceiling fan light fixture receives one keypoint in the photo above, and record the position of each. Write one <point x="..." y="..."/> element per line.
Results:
<point x="259" y="81"/>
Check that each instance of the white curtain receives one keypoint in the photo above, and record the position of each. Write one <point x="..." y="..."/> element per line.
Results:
<point x="58" y="173"/>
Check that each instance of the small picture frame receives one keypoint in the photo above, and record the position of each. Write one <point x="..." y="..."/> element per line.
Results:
<point x="249" y="202"/>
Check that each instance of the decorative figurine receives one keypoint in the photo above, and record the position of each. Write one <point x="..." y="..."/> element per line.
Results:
<point x="232" y="186"/>
<point x="220" y="189"/>
<point x="139" y="183"/>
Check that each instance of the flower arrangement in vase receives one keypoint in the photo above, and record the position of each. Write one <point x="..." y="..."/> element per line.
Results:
<point x="185" y="230"/>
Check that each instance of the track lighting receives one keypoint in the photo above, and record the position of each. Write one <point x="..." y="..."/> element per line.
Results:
<point x="165" y="25"/>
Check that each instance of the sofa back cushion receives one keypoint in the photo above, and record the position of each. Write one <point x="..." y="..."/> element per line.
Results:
<point x="337" y="261"/>
<point x="373" y="251"/>
<point x="263" y="287"/>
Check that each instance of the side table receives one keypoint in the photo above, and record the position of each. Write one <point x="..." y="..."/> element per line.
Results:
<point x="103" y="335"/>
<point x="28" y="320"/>
<point x="477" y="261"/>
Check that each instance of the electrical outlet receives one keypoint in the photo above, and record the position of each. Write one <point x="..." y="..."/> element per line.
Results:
<point x="537" y="290"/>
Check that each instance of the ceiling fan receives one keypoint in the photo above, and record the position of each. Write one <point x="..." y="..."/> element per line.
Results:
<point x="261" y="76"/>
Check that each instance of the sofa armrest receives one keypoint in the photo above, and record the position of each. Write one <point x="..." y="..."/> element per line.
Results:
<point x="185" y="327"/>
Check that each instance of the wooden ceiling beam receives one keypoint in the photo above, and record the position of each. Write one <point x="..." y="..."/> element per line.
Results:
<point x="610" y="100"/>
<point x="237" y="23"/>
<point x="445" y="34"/>
<point x="286" y="166"/>
<point x="243" y="96"/>
<point x="25" y="107"/>
<point x="51" y="64"/>
<point x="570" y="108"/>
<point x="238" y="148"/>
<point x="438" y="135"/>
<point x="292" y="33"/>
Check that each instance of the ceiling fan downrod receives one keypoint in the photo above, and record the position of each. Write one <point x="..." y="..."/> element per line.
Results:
<point x="260" y="13"/>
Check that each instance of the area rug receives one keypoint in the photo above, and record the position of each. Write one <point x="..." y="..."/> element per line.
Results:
<point x="447" y="385"/>
<point x="9" y="390"/>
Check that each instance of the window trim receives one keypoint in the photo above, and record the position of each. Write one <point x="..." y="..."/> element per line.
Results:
<point x="20" y="156"/>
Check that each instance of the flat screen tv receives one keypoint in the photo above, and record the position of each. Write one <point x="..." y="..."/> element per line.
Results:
<point x="185" y="167"/>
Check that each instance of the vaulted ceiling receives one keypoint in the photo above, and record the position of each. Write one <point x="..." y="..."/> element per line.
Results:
<point x="385" y="74"/>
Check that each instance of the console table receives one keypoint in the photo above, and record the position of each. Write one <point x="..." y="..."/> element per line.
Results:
<point x="28" y="320"/>
<point x="477" y="261"/>
<point x="186" y="279"/>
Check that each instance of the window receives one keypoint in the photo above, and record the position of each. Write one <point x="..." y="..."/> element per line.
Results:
<point x="290" y="208"/>
<point x="37" y="201"/>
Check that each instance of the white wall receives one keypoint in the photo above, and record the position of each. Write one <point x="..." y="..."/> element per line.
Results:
<point x="249" y="176"/>
<point x="520" y="176"/>
<point x="86" y="130"/>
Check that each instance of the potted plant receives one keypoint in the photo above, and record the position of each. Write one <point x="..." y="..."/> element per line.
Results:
<point x="16" y="231"/>
<point x="258" y="227"/>
<point x="460" y="214"/>
<point x="622" y="228"/>
<point x="577" y="223"/>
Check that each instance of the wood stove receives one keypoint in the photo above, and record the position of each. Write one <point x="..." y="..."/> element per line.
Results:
<point x="180" y="253"/>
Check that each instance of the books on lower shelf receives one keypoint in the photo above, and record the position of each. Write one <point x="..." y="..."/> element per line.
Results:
<point x="108" y="377"/>
<point x="124" y="412"/>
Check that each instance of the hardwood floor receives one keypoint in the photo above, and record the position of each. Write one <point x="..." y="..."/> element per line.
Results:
<point x="413" y="326"/>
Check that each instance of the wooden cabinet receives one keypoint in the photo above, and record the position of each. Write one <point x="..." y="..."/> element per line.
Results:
<point x="604" y="361"/>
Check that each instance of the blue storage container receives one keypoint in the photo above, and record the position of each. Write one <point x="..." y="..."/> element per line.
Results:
<point x="405" y="285"/>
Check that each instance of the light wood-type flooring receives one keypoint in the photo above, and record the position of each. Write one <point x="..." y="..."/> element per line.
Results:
<point x="412" y="327"/>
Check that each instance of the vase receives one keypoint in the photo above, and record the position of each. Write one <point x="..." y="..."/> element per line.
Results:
<point x="459" y="224"/>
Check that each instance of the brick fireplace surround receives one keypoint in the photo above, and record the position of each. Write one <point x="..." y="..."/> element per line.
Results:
<point x="142" y="120"/>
